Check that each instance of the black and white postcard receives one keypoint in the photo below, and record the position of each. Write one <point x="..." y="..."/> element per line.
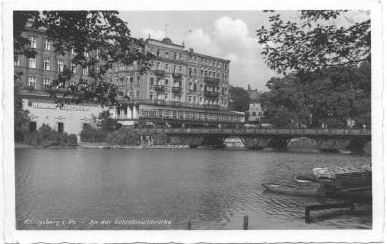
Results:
<point x="192" y="121"/>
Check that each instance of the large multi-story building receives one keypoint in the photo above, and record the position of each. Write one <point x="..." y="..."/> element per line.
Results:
<point x="182" y="88"/>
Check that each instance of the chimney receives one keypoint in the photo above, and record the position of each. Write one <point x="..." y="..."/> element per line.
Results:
<point x="248" y="87"/>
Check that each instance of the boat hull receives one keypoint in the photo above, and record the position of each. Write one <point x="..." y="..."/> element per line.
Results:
<point x="312" y="191"/>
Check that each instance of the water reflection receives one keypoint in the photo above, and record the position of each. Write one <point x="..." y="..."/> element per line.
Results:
<point x="211" y="188"/>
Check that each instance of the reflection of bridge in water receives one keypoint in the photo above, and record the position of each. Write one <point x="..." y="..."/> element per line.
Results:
<point x="258" y="138"/>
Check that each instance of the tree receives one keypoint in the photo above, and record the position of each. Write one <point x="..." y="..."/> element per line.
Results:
<point x="316" y="98"/>
<point x="314" y="42"/>
<point x="101" y="33"/>
<point x="239" y="99"/>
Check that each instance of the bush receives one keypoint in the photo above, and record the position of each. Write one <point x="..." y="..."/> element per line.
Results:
<point x="90" y="134"/>
<point x="124" y="136"/>
<point x="72" y="140"/>
<point x="46" y="136"/>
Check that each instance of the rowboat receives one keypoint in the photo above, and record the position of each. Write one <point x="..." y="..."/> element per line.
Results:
<point x="312" y="191"/>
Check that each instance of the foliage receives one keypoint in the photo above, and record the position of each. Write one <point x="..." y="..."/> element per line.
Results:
<point x="314" y="42"/>
<point x="46" y="136"/>
<point x="107" y="123"/>
<point x="124" y="136"/>
<point x="90" y="134"/>
<point x="239" y="99"/>
<point x="21" y="115"/>
<point x="312" y="99"/>
<point x="98" y="33"/>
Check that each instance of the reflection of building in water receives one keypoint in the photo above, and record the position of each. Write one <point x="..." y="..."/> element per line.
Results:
<point x="183" y="88"/>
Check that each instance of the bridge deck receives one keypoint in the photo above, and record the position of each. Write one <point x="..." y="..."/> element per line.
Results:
<point x="258" y="131"/>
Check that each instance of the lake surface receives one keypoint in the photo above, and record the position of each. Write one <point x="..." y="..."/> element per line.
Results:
<point x="164" y="189"/>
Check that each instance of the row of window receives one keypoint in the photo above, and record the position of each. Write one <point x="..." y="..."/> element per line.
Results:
<point x="167" y="67"/>
<point x="47" y="46"/>
<point x="190" y="99"/>
<point x="168" y="55"/>
<point x="32" y="82"/>
<point x="47" y="65"/>
<point x="191" y="115"/>
<point x="209" y="62"/>
<point x="205" y="74"/>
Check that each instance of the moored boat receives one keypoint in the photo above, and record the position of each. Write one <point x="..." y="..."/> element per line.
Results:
<point x="313" y="191"/>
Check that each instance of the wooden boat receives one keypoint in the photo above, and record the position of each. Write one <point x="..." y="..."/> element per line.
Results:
<point x="304" y="179"/>
<point x="312" y="191"/>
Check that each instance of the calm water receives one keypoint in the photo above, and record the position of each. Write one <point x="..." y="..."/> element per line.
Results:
<point x="214" y="189"/>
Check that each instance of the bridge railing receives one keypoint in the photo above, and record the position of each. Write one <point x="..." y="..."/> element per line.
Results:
<point x="263" y="131"/>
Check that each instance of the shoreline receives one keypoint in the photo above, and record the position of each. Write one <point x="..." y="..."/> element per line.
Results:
<point x="103" y="145"/>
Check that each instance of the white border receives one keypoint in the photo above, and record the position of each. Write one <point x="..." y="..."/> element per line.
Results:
<point x="374" y="235"/>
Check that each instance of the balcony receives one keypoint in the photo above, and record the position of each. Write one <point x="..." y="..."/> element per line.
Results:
<point x="211" y="94"/>
<point x="160" y="88"/>
<point x="211" y="81"/>
<point x="177" y="90"/>
<point x="177" y="76"/>
<point x="159" y="72"/>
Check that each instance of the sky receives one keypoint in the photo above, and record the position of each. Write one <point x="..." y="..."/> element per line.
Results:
<point x="225" y="34"/>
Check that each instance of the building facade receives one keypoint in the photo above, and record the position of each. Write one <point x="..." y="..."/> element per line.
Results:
<point x="182" y="88"/>
<point x="255" y="112"/>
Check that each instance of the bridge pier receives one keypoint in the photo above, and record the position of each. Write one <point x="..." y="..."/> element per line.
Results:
<point x="256" y="143"/>
<point x="191" y="140"/>
<point x="357" y="144"/>
<point x="331" y="144"/>
<point x="214" y="141"/>
<point x="279" y="143"/>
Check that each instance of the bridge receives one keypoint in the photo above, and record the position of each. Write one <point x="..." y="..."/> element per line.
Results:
<point x="259" y="138"/>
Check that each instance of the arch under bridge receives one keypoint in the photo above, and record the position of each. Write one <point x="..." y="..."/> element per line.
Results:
<point x="259" y="138"/>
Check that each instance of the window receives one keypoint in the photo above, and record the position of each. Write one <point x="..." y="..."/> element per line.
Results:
<point x="97" y="54"/>
<point x="46" y="64"/>
<point x="47" y="45"/>
<point x="32" y="81"/>
<point x="32" y="63"/>
<point x="60" y="65"/>
<point x="86" y="54"/>
<point x="131" y="80"/>
<point x="32" y="126"/>
<point x="17" y="61"/>
<point x="152" y="80"/>
<point x="158" y="53"/>
<point x="151" y="95"/>
<point x="46" y="83"/>
<point x="166" y="82"/>
<point x="33" y="41"/>
<point x="72" y="83"/>
<point x="166" y="54"/>
<point x="73" y="67"/>
<point x="180" y="68"/>
<point x="85" y="71"/>
<point x="60" y="127"/>
<point x="137" y="93"/>
<point x="166" y="67"/>
<point x="190" y="71"/>
<point x="180" y="56"/>
<point x="73" y="51"/>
